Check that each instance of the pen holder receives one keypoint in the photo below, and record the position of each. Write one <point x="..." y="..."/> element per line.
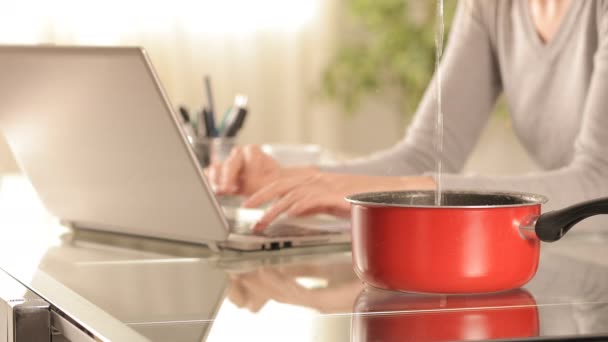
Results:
<point x="211" y="150"/>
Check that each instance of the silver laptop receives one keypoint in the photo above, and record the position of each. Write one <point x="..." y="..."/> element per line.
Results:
<point x="94" y="132"/>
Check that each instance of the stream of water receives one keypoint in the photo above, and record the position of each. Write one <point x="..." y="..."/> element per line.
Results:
<point x="439" y="32"/>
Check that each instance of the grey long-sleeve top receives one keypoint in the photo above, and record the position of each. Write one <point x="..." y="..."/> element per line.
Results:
<point x="557" y="94"/>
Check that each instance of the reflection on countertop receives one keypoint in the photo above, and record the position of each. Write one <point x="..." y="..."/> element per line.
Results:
<point x="171" y="291"/>
<point x="389" y="316"/>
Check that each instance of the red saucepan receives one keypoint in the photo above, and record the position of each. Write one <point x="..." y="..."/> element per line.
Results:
<point x="474" y="242"/>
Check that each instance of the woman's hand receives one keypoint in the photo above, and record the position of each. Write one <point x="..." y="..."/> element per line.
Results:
<point x="252" y="290"/>
<point x="247" y="170"/>
<point x="308" y="194"/>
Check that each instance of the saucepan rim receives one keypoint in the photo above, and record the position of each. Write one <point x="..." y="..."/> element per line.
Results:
<point x="381" y="199"/>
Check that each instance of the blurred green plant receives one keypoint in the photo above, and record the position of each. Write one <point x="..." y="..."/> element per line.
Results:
<point x="391" y="47"/>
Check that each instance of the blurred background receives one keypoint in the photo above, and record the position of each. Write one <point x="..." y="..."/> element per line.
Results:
<point x="344" y="74"/>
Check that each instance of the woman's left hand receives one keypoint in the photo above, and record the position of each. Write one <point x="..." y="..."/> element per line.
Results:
<point x="324" y="193"/>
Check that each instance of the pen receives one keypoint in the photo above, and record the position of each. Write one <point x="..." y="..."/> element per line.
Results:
<point x="209" y="94"/>
<point x="186" y="123"/>
<point x="184" y="114"/>
<point x="210" y="114"/>
<point x="233" y="129"/>
<point x="227" y="114"/>
<point x="209" y="123"/>
<point x="236" y="117"/>
<point x="202" y="128"/>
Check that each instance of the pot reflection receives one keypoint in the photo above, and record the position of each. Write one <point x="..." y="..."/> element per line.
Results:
<point x="392" y="316"/>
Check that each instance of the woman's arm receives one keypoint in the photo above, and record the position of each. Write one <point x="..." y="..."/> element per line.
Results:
<point x="470" y="86"/>
<point x="586" y="176"/>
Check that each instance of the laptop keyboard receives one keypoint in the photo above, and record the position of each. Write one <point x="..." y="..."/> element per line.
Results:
<point x="242" y="220"/>
<point x="275" y="230"/>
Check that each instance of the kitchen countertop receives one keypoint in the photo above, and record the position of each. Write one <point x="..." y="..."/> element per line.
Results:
<point x="136" y="289"/>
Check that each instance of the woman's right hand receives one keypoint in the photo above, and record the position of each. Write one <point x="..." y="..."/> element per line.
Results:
<point x="247" y="170"/>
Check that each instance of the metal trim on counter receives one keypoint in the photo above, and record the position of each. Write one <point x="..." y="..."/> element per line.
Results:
<point x="24" y="316"/>
<point x="69" y="329"/>
<point x="31" y="321"/>
<point x="598" y="338"/>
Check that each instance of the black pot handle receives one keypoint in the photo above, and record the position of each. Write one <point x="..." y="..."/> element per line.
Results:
<point x="553" y="225"/>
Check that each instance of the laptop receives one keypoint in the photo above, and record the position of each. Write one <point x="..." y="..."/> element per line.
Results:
<point x="93" y="130"/>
